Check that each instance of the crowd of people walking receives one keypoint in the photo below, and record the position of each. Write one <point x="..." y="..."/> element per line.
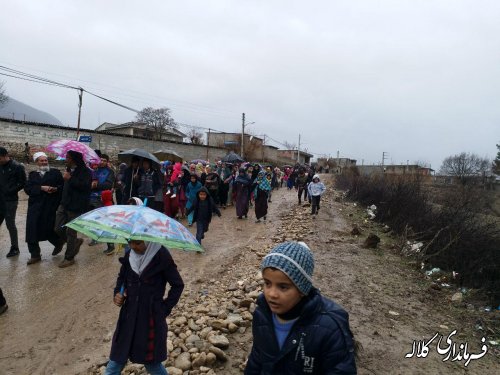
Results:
<point x="193" y="192"/>
<point x="185" y="191"/>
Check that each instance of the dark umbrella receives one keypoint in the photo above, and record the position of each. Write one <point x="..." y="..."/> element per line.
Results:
<point x="166" y="154"/>
<point x="232" y="157"/>
<point x="196" y="161"/>
<point x="126" y="156"/>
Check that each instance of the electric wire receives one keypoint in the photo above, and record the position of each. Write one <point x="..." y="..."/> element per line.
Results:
<point x="37" y="79"/>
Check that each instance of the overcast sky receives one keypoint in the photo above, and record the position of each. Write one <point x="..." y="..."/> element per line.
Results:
<point x="419" y="80"/>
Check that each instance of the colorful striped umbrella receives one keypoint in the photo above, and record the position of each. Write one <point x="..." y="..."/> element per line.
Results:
<point x="121" y="223"/>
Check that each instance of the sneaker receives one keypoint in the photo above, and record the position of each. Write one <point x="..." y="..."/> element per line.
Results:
<point x="57" y="249"/>
<point x="168" y="192"/>
<point x="173" y="195"/>
<point x="93" y="243"/>
<point x="34" y="260"/>
<point x="257" y="221"/>
<point x="79" y="242"/>
<point x="13" y="252"/>
<point x="67" y="262"/>
<point x="265" y="217"/>
<point x="3" y="309"/>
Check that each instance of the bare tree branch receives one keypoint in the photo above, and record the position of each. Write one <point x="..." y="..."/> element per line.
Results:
<point x="157" y="119"/>
<point x="195" y="137"/>
<point x="465" y="166"/>
<point x="3" y="96"/>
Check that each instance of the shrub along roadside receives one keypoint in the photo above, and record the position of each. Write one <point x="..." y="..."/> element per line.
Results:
<point x="457" y="236"/>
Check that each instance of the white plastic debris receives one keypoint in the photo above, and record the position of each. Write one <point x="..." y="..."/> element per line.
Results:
<point x="433" y="271"/>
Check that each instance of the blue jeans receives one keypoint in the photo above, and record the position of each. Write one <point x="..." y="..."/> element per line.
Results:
<point x="201" y="228"/>
<point x="115" y="368"/>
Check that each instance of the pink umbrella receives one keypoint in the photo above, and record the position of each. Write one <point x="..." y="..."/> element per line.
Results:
<point x="62" y="146"/>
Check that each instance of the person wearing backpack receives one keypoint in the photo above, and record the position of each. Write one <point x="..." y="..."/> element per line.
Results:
<point x="296" y="330"/>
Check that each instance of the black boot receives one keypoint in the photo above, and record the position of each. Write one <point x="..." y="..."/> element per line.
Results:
<point x="13" y="252"/>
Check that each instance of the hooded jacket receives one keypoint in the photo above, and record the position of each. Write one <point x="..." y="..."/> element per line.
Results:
<point x="320" y="341"/>
<point x="212" y="207"/>
<point x="12" y="180"/>
<point x="316" y="188"/>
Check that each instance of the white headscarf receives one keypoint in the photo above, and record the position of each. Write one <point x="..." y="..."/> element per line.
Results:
<point x="139" y="262"/>
<point x="36" y="155"/>
<point x="138" y="201"/>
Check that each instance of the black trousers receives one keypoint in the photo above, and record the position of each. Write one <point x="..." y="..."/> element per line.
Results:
<point x="67" y="234"/>
<point x="34" y="247"/>
<point x="223" y="191"/>
<point x="2" y="298"/>
<point x="9" y="215"/>
<point x="315" y="204"/>
<point x="302" y="190"/>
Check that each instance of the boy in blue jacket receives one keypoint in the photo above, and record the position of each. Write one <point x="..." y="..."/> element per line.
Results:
<point x="295" y="329"/>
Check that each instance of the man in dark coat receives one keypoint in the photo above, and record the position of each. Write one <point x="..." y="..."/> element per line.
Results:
<point x="131" y="180"/>
<point x="44" y="188"/>
<point x="74" y="202"/>
<point x="3" y="302"/>
<point x="12" y="180"/>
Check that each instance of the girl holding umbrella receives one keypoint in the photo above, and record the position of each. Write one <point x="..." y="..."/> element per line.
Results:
<point x="141" y="331"/>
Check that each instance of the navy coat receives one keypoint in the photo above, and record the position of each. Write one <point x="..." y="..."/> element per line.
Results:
<point x="212" y="207"/>
<point x="320" y="341"/>
<point x="42" y="206"/>
<point x="145" y="303"/>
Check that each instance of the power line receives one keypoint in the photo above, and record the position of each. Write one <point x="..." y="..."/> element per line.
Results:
<point x="193" y="107"/>
<point x="37" y="79"/>
<point x="27" y="79"/>
<point x="112" y="102"/>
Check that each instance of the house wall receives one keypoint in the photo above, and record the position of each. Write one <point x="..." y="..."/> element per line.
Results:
<point x="13" y="135"/>
<point x="290" y="156"/>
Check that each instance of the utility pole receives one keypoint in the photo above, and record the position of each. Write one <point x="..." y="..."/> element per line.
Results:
<point x="242" y="134"/>
<point x="384" y="157"/>
<point x="263" y="143"/>
<point x="80" y="99"/>
<point x="208" y="142"/>
<point x="298" y="151"/>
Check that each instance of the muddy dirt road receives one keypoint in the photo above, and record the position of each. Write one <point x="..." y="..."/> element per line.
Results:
<point x="60" y="321"/>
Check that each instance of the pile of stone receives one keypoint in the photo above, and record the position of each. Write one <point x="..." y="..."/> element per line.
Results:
<point x="203" y="322"/>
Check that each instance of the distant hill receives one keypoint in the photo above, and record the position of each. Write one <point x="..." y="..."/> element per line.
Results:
<point x="17" y="110"/>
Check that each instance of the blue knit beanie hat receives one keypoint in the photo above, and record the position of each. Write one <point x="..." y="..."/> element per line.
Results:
<point x="295" y="260"/>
